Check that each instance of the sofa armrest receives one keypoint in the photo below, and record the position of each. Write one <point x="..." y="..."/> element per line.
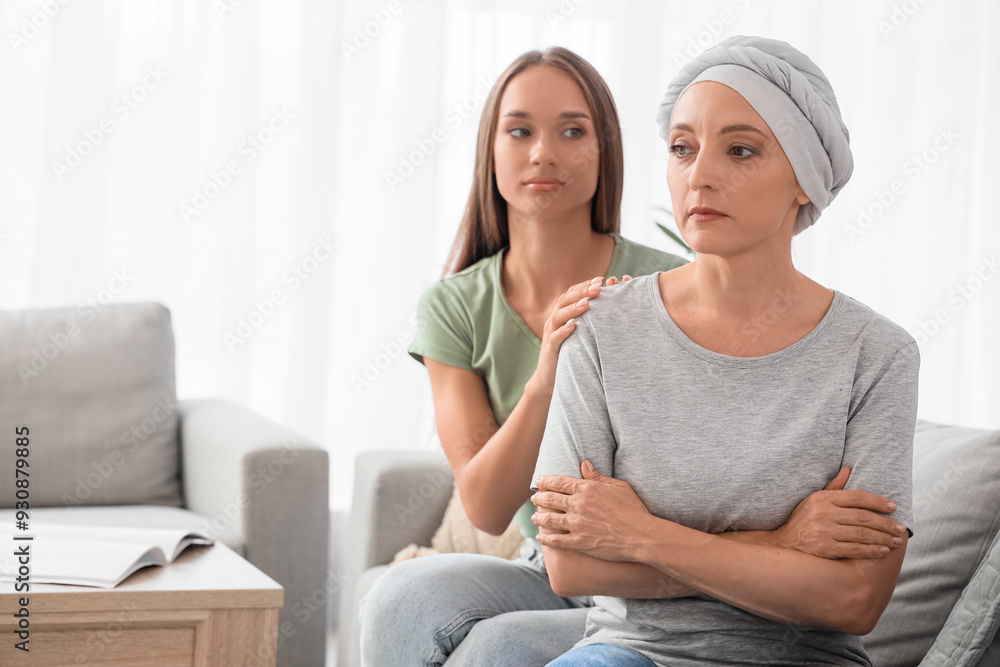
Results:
<point x="266" y="485"/>
<point x="399" y="499"/>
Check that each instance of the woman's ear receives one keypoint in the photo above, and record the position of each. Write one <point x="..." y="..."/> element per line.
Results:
<point x="802" y="198"/>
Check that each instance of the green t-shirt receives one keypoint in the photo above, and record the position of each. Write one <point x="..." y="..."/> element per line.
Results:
<point x="464" y="320"/>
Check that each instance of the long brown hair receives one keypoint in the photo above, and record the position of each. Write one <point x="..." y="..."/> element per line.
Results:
<point x="483" y="231"/>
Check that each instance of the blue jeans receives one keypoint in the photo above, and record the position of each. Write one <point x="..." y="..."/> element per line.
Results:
<point x="468" y="610"/>
<point x="602" y="655"/>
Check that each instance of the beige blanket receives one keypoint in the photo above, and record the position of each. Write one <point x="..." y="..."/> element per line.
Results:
<point x="458" y="535"/>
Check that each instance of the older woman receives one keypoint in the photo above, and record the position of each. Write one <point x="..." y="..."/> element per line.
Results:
<point x="720" y="394"/>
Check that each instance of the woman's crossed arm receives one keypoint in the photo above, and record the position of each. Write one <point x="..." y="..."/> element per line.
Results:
<point x="599" y="539"/>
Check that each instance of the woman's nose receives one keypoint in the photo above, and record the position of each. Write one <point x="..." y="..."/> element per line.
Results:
<point x="542" y="151"/>
<point x="703" y="172"/>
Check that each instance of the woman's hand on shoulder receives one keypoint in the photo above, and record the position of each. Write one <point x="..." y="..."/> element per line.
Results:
<point x="575" y="301"/>
<point x="837" y="523"/>
<point x="614" y="281"/>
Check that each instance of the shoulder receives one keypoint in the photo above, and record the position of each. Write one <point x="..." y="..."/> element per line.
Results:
<point x="878" y="338"/>
<point x="618" y="303"/>
<point x="877" y="328"/>
<point x="462" y="290"/>
<point x="637" y="259"/>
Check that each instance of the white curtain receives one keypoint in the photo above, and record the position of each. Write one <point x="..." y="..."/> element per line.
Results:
<point x="287" y="176"/>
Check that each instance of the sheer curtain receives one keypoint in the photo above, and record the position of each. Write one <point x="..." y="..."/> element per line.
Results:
<point x="287" y="177"/>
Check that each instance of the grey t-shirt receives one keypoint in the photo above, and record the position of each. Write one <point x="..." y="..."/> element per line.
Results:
<point x="720" y="443"/>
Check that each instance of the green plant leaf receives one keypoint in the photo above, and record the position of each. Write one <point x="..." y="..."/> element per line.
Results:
<point x="677" y="239"/>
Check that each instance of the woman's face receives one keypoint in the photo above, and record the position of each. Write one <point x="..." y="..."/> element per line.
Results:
<point x="731" y="184"/>
<point x="546" y="153"/>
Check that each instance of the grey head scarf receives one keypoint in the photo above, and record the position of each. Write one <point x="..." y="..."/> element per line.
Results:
<point x="794" y="98"/>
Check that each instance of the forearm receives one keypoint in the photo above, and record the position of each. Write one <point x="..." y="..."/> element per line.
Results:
<point x="578" y="573"/>
<point x="496" y="481"/>
<point x="573" y="573"/>
<point x="773" y="582"/>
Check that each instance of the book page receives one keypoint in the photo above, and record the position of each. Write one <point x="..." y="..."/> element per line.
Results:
<point x="97" y="555"/>
<point x="103" y="564"/>
<point x="171" y="541"/>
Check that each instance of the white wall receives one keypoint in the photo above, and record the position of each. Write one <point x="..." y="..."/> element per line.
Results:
<point x="916" y="82"/>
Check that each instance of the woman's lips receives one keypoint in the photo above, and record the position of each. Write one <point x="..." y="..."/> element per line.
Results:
<point x="705" y="214"/>
<point x="543" y="184"/>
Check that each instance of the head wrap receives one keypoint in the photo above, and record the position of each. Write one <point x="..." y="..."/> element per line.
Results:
<point x="793" y="97"/>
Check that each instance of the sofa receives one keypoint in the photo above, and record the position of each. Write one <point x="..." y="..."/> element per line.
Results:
<point x="112" y="445"/>
<point x="944" y="611"/>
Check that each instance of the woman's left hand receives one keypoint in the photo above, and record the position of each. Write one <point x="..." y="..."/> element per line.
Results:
<point x="598" y="515"/>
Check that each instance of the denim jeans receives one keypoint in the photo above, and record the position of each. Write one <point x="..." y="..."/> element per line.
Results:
<point x="602" y="655"/>
<point x="468" y="610"/>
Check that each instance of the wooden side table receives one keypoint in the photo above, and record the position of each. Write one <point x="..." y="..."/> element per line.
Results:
<point x="209" y="608"/>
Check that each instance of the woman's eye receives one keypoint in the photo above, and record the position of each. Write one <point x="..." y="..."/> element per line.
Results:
<point x="678" y="150"/>
<point x="742" y="151"/>
<point x="518" y="132"/>
<point x="574" y="132"/>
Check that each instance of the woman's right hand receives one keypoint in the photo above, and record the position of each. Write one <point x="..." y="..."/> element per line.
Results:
<point x="834" y="523"/>
<point x="574" y="302"/>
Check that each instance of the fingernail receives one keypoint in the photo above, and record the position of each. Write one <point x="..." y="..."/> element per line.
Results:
<point x="900" y="527"/>
<point x="884" y="550"/>
<point x="594" y="287"/>
<point x="598" y="279"/>
<point x="590" y="466"/>
<point x="897" y="540"/>
<point x="891" y="506"/>
<point x="582" y="301"/>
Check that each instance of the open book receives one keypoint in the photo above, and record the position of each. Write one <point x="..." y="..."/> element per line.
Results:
<point x="101" y="556"/>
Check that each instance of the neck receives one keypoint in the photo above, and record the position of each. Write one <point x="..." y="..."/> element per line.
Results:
<point x="547" y="257"/>
<point x="746" y="284"/>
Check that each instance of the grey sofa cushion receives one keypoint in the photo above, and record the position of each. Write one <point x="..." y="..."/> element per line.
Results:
<point x="96" y="389"/>
<point x="956" y="505"/>
<point x="972" y="626"/>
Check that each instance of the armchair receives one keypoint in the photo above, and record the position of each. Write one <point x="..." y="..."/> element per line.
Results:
<point x="111" y="445"/>
<point x="399" y="499"/>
